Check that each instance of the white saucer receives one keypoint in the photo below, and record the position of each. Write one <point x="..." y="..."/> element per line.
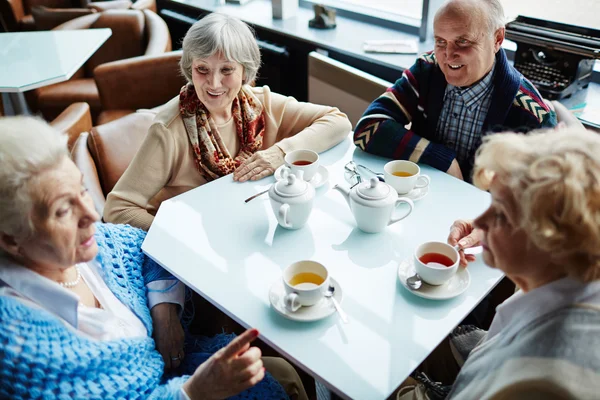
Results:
<point x="323" y="309"/>
<point x="416" y="194"/>
<point x="320" y="178"/>
<point x="454" y="287"/>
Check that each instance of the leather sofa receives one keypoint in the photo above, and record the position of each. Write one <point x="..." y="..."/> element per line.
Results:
<point x="134" y="33"/>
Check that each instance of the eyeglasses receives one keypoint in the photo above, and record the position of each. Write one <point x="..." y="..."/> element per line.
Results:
<point x="351" y="175"/>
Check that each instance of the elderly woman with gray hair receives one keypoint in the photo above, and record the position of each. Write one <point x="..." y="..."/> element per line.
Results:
<point x="542" y="230"/>
<point x="218" y="125"/>
<point x="83" y="310"/>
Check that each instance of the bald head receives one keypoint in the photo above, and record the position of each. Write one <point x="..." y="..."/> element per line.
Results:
<point x="488" y="12"/>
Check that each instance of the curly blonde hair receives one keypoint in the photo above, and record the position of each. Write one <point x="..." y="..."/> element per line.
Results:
<point x="554" y="177"/>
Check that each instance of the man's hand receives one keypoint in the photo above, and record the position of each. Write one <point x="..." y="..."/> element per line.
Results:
<point x="464" y="234"/>
<point x="168" y="334"/>
<point x="262" y="163"/>
<point x="455" y="171"/>
<point x="229" y="371"/>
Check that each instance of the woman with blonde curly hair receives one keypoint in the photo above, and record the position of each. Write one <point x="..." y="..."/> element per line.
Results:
<point x="542" y="230"/>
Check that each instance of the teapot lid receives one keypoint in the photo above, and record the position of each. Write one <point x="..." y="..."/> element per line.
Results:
<point x="290" y="185"/>
<point x="373" y="189"/>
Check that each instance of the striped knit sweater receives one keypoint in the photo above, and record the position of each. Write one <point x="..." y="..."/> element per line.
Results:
<point x="417" y="99"/>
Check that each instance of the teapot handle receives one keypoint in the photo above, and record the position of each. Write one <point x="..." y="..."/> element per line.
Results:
<point x="282" y="215"/>
<point x="411" y="205"/>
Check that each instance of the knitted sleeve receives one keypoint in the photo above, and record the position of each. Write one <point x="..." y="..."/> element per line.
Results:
<point x="382" y="129"/>
<point x="122" y="244"/>
<point x="529" y="111"/>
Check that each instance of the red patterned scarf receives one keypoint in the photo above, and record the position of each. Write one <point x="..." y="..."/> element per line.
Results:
<point x="212" y="157"/>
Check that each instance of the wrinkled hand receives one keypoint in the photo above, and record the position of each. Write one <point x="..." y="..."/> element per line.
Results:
<point x="262" y="163"/>
<point x="464" y="233"/>
<point x="229" y="371"/>
<point x="455" y="171"/>
<point x="168" y="333"/>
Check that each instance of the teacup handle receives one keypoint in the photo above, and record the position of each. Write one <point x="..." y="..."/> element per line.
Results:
<point x="282" y="215"/>
<point x="411" y="205"/>
<point x="291" y="303"/>
<point x="424" y="181"/>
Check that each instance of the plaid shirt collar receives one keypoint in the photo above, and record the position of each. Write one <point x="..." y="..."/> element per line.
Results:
<point x="473" y="94"/>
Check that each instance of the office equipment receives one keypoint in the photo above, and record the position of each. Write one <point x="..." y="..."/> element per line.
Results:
<point x="557" y="58"/>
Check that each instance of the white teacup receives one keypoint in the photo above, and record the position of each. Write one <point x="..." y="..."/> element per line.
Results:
<point x="306" y="161"/>
<point x="305" y="283"/>
<point x="411" y="178"/>
<point x="436" y="262"/>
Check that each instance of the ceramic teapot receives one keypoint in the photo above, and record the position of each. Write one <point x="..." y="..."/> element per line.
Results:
<point x="373" y="203"/>
<point x="292" y="199"/>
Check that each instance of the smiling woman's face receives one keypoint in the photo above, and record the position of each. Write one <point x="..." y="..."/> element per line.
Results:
<point x="217" y="82"/>
<point x="63" y="217"/>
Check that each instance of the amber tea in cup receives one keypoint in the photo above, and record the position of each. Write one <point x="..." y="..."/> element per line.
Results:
<point x="402" y="173"/>
<point x="306" y="280"/>
<point x="404" y="176"/>
<point x="305" y="283"/>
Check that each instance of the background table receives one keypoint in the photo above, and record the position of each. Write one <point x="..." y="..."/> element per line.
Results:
<point x="29" y="60"/>
<point x="231" y="253"/>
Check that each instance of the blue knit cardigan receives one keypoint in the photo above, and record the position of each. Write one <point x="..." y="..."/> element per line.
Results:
<point x="418" y="98"/>
<point x="41" y="358"/>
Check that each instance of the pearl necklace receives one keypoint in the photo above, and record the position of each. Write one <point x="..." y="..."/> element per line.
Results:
<point x="72" y="283"/>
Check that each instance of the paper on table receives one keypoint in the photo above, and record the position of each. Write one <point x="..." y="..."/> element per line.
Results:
<point x="398" y="46"/>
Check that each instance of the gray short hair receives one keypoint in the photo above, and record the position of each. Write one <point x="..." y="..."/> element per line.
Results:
<point x="495" y="15"/>
<point x="221" y="33"/>
<point x="494" y="12"/>
<point x="28" y="146"/>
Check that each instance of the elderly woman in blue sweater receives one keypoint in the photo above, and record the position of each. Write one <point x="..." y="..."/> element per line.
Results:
<point x="80" y="303"/>
<point x="542" y="230"/>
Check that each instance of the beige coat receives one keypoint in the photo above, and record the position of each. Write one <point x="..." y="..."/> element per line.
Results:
<point x="164" y="166"/>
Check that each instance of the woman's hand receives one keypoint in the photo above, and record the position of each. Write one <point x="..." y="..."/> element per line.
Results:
<point x="229" y="371"/>
<point x="262" y="163"/>
<point x="168" y="334"/>
<point x="464" y="233"/>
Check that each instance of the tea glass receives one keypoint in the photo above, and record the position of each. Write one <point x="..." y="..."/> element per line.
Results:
<point x="304" y="293"/>
<point x="404" y="184"/>
<point x="436" y="274"/>
<point x="309" y="170"/>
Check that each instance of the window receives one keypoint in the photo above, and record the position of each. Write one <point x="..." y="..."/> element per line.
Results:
<point x="573" y="12"/>
<point x="409" y="12"/>
<point x="404" y="15"/>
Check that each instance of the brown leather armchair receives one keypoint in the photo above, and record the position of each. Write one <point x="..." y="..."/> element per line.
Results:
<point x="126" y="85"/>
<point x="134" y="33"/>
<point x="15" y="15"/>
<point x="104" y="153"/>
<point x="74" y="120"/>
<point x="46" y="18"/>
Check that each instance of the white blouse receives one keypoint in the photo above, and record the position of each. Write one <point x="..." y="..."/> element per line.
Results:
<point x="113" y="321"/>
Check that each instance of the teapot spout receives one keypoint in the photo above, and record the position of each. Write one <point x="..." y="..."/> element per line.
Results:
<point x="345" y="191"/>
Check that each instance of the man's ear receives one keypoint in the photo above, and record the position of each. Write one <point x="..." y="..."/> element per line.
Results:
<point x="9" y="244"/>
<point x="499" y="38"/>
